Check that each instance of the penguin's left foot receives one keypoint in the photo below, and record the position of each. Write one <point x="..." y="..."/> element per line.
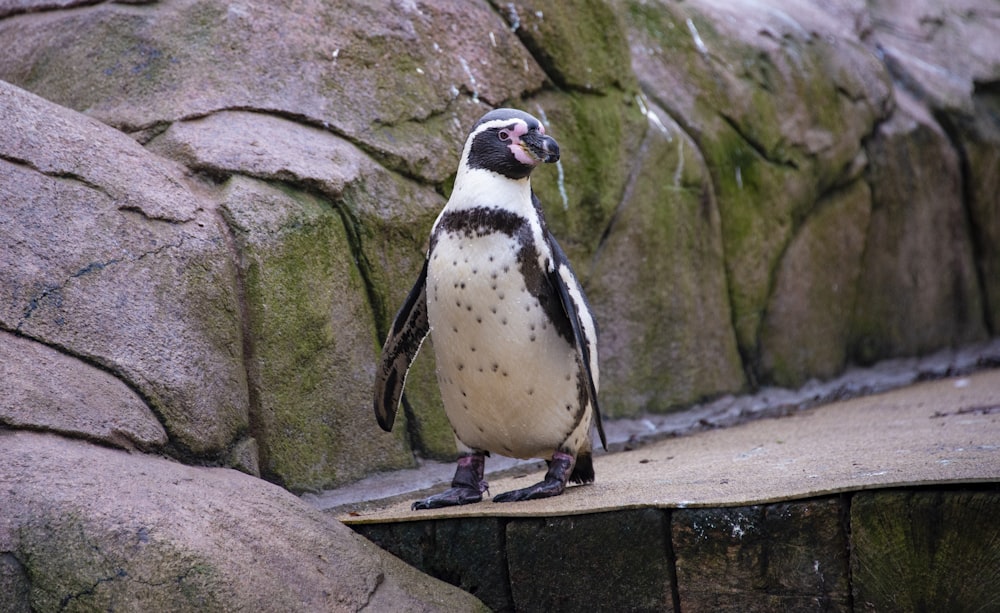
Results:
<point x="467" y="486"/>
<point x="560" y="468"/>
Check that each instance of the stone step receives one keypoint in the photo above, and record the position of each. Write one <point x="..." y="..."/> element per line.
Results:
<point x="887" y="502"/>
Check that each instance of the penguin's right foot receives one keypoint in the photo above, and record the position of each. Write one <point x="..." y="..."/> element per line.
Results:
<point x="467" y="486"/>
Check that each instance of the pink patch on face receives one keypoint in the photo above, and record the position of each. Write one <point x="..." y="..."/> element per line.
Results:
<point x="518" y="130"/>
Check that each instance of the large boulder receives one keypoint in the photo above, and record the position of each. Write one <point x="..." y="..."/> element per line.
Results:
<point x="323" y="258"/>
<point x="779" y="100"/>
<point x="73" y="398"/>
<point x="663" y="255"/>
<point x="919" y="288"/>
<point x="947" y="57"/>
<point x="338" y="65"/>
<point x="112" y="256"/>
<point x="88" y="528"/>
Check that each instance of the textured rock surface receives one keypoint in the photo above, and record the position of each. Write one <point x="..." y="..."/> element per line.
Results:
<point x="943" y="547"/>
<point x="111" y="255"/>
<point x="807" y="326"/>
<point x="743" y="81"/>
<point x="663" y="255"/>
<point x="917" y="237"/>
<point x="313" y="339"/>
<point x="73" y="398"/>
<point x="782" y="557"/>
<point x="181" y="538"/>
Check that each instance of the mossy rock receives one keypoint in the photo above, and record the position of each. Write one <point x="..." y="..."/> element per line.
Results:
<point x="598" y="137"/>
<point x="313" y="341"/>
<point x="580" y="44"/>
<point x="926" y="551"/>
<point x="806" y="328"/>
<point x="918" y="290"/>
<point x="778" y="112"/>
<point x="659" y="286"/>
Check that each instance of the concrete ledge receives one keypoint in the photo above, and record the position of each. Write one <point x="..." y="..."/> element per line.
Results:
<point x="888" y="502"/>
<point x="939" y="432"/>
<point x="912" y="549"/>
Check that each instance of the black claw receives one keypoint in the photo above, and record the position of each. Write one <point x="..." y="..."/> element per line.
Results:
<point x="543" y="489"/>
<point x="560" y="468"/>
<point x="449" y="498"/>
<point x="467" y="486"/>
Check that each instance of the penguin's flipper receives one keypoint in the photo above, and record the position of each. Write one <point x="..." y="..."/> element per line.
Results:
<point x="408" y="331"/>
<point x="584" y="327"/>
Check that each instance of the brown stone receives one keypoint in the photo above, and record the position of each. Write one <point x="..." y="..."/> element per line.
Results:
<point x="925" y="551"/>
<point x="85" y="528"/>
<point x="790" y="556"/>
<point x="606" y="561"/>
<point x="467" y="553"/>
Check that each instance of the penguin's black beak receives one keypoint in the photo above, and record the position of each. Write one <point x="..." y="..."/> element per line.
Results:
<point x="541" y="147"/>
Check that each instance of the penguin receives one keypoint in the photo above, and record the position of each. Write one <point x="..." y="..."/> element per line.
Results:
<point x="515" y="340"/>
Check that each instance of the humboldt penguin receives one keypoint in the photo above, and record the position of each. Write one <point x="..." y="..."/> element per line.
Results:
<point x="515" y="341"/>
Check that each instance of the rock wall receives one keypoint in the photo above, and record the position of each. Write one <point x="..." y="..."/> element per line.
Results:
<point x="211" y="211"/>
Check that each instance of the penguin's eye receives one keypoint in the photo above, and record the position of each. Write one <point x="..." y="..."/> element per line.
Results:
<point x="504" y="135"/>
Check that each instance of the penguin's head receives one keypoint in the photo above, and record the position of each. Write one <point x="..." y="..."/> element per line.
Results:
<point x="510" y="143"/>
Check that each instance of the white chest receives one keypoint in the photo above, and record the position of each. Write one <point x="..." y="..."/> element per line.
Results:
<point x="509" y="381"/>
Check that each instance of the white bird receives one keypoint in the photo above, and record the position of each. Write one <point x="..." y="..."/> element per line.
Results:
<point x="514" y="338"/>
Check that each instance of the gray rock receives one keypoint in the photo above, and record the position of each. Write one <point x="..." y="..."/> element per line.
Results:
<point x="96" y="528"/>
<point x="807" y="325"/>
<point x="108" y="253"/>
<point x="947" y="55"/>
<point x="375" y="223"/>
<point x="663" y="255"/>
<point x="313" y="337"/>
<point x="778" y="97"/>
<point x="335" y="65"/>
<point x="41" y="388"/>
<point x="918" y="289"/>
